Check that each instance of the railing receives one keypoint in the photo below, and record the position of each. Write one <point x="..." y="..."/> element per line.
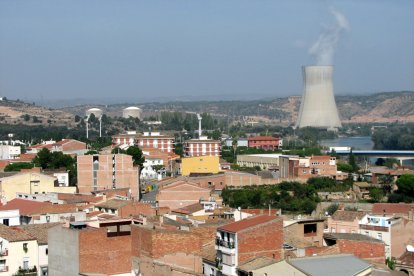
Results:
<point x="374" y="228"/>
<point x="224" y="243"/>
<point x="4" y="268"/>
<point x="4" y="252"/>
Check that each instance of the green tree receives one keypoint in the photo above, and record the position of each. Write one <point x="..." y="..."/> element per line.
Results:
<point x="353" y="163"/>
<point x="376" y="194"/>
<point x="43" y="158"/>
<point x="137" y="155"/>
<point x="331" y="209"/>
<point x="405" y="185"/>
<point x="345" y="167"/>
<point x="16" y="167"/>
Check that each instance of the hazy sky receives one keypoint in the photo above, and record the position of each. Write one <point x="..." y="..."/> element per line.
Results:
<point x="156" y="49"/>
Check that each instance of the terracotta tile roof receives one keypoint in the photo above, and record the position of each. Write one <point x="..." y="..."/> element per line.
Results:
<point x="262" y="138"/>
<point x="56" y="209"/>
<point x="392" y="208"/>
<point x="14" y="234"/>
<point x="208" y="253"/>
<point x="407" y="258"/>
<point x="343" y="215"/>
<point x="114" y="203"/>
<point x="244" y="224"/>
<point x="77" y="198"/>
<point x="189" y="209"/>
<point x="92" y="214"/>
<point x="321" y="157"/>
<point x="26" y="157"/>
<point x="38" y="231"/>
<point x="25" y="207"/>
<point x="273" y="212"/>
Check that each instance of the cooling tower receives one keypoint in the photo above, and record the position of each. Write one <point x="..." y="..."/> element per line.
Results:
<point x="318" y="107"/>
<point x="132" y="111"/>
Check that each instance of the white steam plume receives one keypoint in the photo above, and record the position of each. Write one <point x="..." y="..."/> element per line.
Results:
<point x="324" y="48"/>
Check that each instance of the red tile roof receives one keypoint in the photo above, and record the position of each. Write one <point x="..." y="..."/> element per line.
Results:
<point x="273" y="212"/>
<point x="321" y="157"/>
<point x="392" y="208"/>
<point x="25" y="206"/>
<point x="244" y="224"/>
<point x="262" y="138"/>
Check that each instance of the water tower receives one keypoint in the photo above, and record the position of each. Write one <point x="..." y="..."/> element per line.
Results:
<point x="98" y="114"/>
<point x="132" y="111"/>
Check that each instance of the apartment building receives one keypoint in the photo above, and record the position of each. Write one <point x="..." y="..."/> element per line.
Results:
<point x="202" y="147"/>
<point x="9" y="152"/>
<point x="244" y="240"/>
<point x="343" y="221"/>
<point x="155" y="140"/>
<point x="264" y="142"/>
<point x="395" y="232"/>
<point x="106" y="172"/>
<point x="303" y="168"/>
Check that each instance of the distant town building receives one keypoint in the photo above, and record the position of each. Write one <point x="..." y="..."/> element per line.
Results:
<point x="303" y="168"/>
<point x="241" y="142"/>
<point x="200" y="165"/>
<point x="100" y="172"/>
<point x="264" y="142"/>
<point x="201" y="147"/>
<point x="66" y="146"/>
<point x="9" y="152"/>
<point x="154" y="140"/>
<point x="264" y="161"/>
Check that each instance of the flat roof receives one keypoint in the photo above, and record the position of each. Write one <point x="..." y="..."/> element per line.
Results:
<point x="338" y="265"/>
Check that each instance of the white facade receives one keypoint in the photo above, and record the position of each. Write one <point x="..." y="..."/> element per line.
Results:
<point x="62" y="178"/>
<point x="148" y="171"/>
<point x="378" y="227"/>
<point x="17" y="254"/>
<point x="10" y="217"/>
<point x="59" y="217"/>
<point x="9" y="152"/>
<point x="43" y="259"/>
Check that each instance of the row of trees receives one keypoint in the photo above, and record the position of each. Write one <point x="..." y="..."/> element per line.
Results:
<point x="293" y="197"/>
<point x="398" y="137"/>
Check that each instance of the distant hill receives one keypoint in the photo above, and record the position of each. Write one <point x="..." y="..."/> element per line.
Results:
<point x="380" y="107"/>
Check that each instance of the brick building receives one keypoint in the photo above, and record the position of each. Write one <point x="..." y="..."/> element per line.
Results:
<point x="299" y="235"/>
<point x="303" y="168"/>
<point x="111" y="171"/>
<point x="264" y="142"/>
<point x="201" y="147"/>
<point x="163" y="252"/>
<point x="244" y="240"/>
<point x="181" y="194"/>
<point x="401" y="209"/>
<point x="394" y="231"/>
<point x="345" y="221"/>
<point x="363" y="247"/>
<point x="102" y="249"/>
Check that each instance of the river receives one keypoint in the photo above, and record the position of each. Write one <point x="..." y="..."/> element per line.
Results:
<point x="357" y="143"/>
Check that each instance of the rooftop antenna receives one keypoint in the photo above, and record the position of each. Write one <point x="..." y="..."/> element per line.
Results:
<point x="199" y="125"/>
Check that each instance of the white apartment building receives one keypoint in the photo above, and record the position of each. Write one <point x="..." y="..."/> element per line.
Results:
<point x="9" y="152"/>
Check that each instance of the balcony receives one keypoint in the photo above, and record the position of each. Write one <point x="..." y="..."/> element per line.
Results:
<point x="4" y="252"/>
<point x="4" y="268"/>
<point x="225" y="246"/>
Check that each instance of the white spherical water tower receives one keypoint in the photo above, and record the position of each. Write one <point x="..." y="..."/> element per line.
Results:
<point x="132" y="111"/>
<point x="98" y="114"/>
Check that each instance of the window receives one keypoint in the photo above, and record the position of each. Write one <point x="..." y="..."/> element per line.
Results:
<point x="47" y="251"/>
<point x="25" y="263"/>
<point x="379" y="236"/>
<point x="310" y="229"/>
<point x="25" y="248"/>
<point x="6" y="222"/>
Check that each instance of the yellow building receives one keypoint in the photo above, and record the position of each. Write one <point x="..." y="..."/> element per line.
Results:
<point x="200" y="164"/>
<point x="30" y="183"/>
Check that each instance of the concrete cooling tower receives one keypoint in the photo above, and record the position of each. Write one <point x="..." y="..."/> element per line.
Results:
<point x="318" y="107"/>
<point x="132" y="111"/>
